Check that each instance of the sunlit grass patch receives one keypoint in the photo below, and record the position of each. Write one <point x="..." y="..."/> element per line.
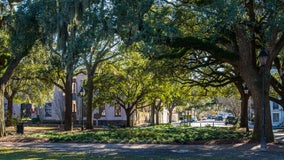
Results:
<point x="38" y="154"/>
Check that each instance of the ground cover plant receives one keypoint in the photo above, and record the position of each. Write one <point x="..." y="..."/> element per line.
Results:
<point x="161" y="134"/>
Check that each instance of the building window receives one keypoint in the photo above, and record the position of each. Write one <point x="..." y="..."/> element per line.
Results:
<point x="275" y="117"/>
<point x="102" y="111"/>
<point x="74" y="110"/>
<point x="74" y="85"/>
<point x="117" y="110"/>
<point x="48" y="110"/>
<point x="275" y="106"/>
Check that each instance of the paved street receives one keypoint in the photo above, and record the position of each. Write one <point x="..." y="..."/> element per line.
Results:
<point x="212" y="123"/>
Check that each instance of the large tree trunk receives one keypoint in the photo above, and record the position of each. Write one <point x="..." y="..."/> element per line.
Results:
<point x="2" y="118"/>
<point x="254" y="81"/>
<point x="257" y="97"/>
<point x="244" y="111"/>
<point x="251" y="74"/>
<point x="68" y="117"/>
<point x="90" y="89"/>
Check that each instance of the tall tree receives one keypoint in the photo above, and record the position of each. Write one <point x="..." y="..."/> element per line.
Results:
<point x="23" y="30"/>
<point x="61" y="20"/>
<point x="128" y="84"/>
<point x="233" y="38"/>
<point x="97" y="33"/>
<point x="198" y="68"/>
<point x="25" y="84"/>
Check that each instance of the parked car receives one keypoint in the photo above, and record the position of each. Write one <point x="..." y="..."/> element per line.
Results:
<point x="219" y="118"/>
<point x="231" y="120"/>
<point x="203" y="118"/>
<point x="187" y="120"/>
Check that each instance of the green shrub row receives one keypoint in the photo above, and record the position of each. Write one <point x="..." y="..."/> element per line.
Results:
<point x="164" y="134"/>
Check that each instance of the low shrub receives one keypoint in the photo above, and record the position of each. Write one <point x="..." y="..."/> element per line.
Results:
<point x="164" y="134"/>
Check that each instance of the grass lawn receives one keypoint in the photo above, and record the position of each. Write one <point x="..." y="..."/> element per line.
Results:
<point x="37" y="154"/>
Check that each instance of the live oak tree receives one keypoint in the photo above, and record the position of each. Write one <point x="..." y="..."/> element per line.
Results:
<point x="60" y="21"/>
<point x="100" y="43"/>
<point x="176" y="94"/>
<point x="232" y="32"/>
<point x="197" y="68"/>
<point x="57" y="20"/>
<point x="277" y="78"/>
<point x="23" y="32"/>
<point x="126" y="83"/>
<point x="24" y="84"/>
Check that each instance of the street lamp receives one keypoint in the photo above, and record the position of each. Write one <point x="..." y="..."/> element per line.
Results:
<point x="262" y="60"/>
<point x="82" y="94"/>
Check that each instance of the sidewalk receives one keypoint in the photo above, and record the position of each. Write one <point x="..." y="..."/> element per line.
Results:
<point x="235" y="151"/>
<point x="226" y="151"/>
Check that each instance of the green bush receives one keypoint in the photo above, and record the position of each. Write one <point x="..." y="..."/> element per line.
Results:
<point x="164" y="134"/>
<point x="35" y="120"/>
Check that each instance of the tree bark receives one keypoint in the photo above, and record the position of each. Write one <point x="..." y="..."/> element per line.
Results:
<point x="170" y="114"/>
<point x="128" y="117"/>
<point x="152" y="115"/>
<point x="68" y="117"/>
<point x="3" y="80"/>
<point x="244" y="111"/>
<point x="251" y="74"/>
<point x="10" y="112"/>
<point x="157" y="117"/>
<point x="2" y="118"/>
<point x="90" y="89"/>
<point x="253" y="79"/>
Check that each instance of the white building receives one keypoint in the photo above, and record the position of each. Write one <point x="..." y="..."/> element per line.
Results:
<point x="277" y="114"/>
<point x="53" y="111"/>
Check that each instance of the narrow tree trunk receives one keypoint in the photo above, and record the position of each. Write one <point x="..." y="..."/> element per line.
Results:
<point x="170" y="114"/>
<point x="128" y="117"/>
<point x="90" y="89"/>
<point x="10" y="112"/>
<point x="2" y="118"/>
<point x="157" y="117"/>
<point x="152" y="115"/>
